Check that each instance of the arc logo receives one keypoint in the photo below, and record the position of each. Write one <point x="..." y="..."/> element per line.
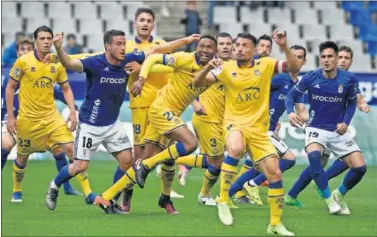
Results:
<point x="43" y="82"/>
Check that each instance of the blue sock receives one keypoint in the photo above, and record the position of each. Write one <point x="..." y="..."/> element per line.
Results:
<point x="302" y="182"/>
<point x="62" y="176"/>
<point x="336" y="169"/>
<point x="248" y="163"/>
<point x="181" y="149"/>
<point x="238" y="184"/>
<point x="284" y="164"/>
<point x="205" y="162"/>
<point x="188" y="167"/>
<point x="60" y="162"/>
<point x="352" y="178"/>
<point x="91" y="198"/>
<point x="318" y="174"/>
<point x="4" y="157"/>
<point x="117" y="175"/>
<point x="276" y="185"/>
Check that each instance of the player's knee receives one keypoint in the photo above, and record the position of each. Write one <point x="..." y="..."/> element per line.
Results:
<point x="236" y="151"/>
<point x="360" y="170"/>
<point x="7" y="143"/>
<point x="68" y="150"/>
<point x="191" y="145"/>
<point x="125" y="164"/>
<point x="22" y="160"/>
<point x="79" y="166"/>
<point x="216" y="161"/>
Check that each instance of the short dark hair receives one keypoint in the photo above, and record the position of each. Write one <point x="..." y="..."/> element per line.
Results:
<point x="225" y="35"/>
<point x="265" y="37"/>
<point x="144" y="10"/>
<point x="209" y="37"/>
<point x="26" y="41"/>
<point x="328" y="45"/>
<point x="299" y="47"/>
<point x="42" y="29"/>
<point x="71" y="36"/>
<point x="347" y="49"/>
<point x="248" y="36"/>
<point x="108" y="36"/>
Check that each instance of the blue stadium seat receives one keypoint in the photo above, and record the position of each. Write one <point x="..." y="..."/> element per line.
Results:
<point x="371" y="39"/>
<point x="352" y="5"/>
<point x="372" y="6"/>
<point x="360" y="17"/>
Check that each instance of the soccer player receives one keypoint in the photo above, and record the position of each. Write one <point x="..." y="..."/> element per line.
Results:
<point x="345" y="56"/>
<point x="165" y="122"/>
<point x="264" y="46"/>
<point x="207" y="121"/>
<point x="8" y="141"/>
<point x="99" y="113"/>
<point x="246" y="119"/>
<point x="332" y="94"/>
<point x="39" y="125"/>
<point x="280" y="86"/>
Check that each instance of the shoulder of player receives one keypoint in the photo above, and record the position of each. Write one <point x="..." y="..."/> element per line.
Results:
<point x="158" y="41"/>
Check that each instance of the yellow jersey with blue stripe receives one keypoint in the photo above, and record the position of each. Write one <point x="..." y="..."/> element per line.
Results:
<point x="247" y="91"/>
<point x="155" y="80"/>
<point x="37" y="81"/>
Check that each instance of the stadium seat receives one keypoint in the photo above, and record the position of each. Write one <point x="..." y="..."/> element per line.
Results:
<point x="94" y="42"/>
<point x="34" y="23"/>
<point x="67" y="26"/>
<point x="8" y="10"/>
<point x="276" y="14"/>
<point x="310" y="63"/>
<point x="55" y="10"/>
<point x="352" y="5"/>
<point x="314" y="32"/>
<point x="7" y="39"/>
<point x="119" y="24"/>
<point x="33" y="10"/>
<point x="305" y="16"/>
<point x="372" y="6"/>
<point x="325" y="5"/>
<point x="291" y="29"/>
<point x="356" y="45"/>
<point x="338" y="32"/>
<point x="224" y="14"/>
<point x="255" y="16"/>
<point x="259" y="29"/>
<point x="297" y="6"/>
<point x="372" y="47"/>
<point x="232" y="28"/>
<point x="90" y="26"/>
<point x="131" y="8"/>
<point x="85" y="10"/>
<point x="332" y="16"/>
<point x="11" y="25"/>
<point x="360" y="17"/>
<point x="111" y="10"/>
<point x="361" y="63"/>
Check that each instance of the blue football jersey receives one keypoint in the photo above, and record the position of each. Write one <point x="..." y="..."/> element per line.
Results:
<point x="105" y="88"/>
<point x="327" y="97"/>
<point x="281" y="84"/>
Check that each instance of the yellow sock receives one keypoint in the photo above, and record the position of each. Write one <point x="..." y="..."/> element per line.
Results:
<point x="165" y="155"/>
<point x="228" y="172"/>
<point x="208" y="181"/>
<point x="191" y="160"/>
<point x="167" y="177"/>
<point x="127" y="181"/>
<point x="84" y="183"/>
<point x="18" y="176"/>
<point x="276" y="202"/>
<point x="243" y="170"/>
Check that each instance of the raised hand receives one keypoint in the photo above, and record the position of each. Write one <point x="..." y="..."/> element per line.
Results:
<point x="58" y="40"/>
<point x="192" y="38"/>
<point x="279" y="37"/>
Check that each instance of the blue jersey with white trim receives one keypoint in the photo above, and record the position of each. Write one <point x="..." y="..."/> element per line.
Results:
<point x="105" y="89"/>
<point x="327" y="97"/>
<point x="281" y="84"/>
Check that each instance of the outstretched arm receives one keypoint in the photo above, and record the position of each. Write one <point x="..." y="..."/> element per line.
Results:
<point x="171" y="46"/>
<point x="66" y="61"/>
<point x="281" y="40"/>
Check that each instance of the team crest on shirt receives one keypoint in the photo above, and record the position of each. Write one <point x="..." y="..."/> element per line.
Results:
<point x="340" y="88"/>
<point x="256" y="72"/>
<point x="17" y="72"/>
<point x="53" y="69"/>
<point x="32" y="69"/>
<point x="170" y="60"/>
<point x="136" y="51"/>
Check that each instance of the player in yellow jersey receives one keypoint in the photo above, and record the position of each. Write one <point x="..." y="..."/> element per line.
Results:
<point x="39" y="125"/>
<point x="207" y="121"/>
<point x="246" y="119"/>
<point x="164" y="120"/>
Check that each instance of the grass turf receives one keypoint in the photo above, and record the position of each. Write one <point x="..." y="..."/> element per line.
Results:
<point x="74" y="218"/>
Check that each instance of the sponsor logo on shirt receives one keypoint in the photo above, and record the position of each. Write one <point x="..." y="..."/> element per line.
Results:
<point x="95" y="111"/>
<point x="331" y="99"/>
<point x="111" y="80"/>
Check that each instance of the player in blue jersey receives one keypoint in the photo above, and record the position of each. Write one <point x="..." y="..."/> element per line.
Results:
<point x="280" y="86"/>
<point x="98" y="118"/>
<point x="8" y="141"/>
<point x="332" y="98"/>
<point x="345" y="57"/>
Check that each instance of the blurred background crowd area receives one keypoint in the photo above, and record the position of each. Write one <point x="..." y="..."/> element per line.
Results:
<point x="350" y="23"/>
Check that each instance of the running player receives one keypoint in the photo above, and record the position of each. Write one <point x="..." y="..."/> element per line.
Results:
<point x="332" y="93"/>
<point x="246" y="119"/>
<point x="280" y="86"/>
<point x="99" y="113"/>
<point x="8" y="141"/>
<point x="165" y="121"/>
<point x="39" y="125"/>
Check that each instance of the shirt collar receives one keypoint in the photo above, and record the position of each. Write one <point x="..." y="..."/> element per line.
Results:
<point x="139" y="41"/>
<point x="251" y="64"/>
<point x="36" y="55"/>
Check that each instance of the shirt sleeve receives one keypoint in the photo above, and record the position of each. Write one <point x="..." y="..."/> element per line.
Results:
<point x="87" y="64"/>
<point x="17" y="70"/>
<point x="220" y="73"/>
<point x="176" y="60"/>
<point x="62" y="75"/>
<point x="277" y="82"/>
<point x="137" y="56"/>
<point x="303" y="85"/>
<point x="353" y="88"/>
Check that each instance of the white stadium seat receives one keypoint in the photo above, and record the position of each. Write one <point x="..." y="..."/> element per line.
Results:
<point x="8" y="10"/>
<point x="314" y="32"/>
<point x="325" y="5"/>
<point x="291" y="29"/>
<point x="111" y="10"/>
<point x="59" y="10"/>
<point x="11" y="25"/>
<point x="276" y="14"/>
<point x="310" y="63"/>
<point x="67" y="26"/>
<point x="33" y="10"/>
<point x="34" y="23"/>
<point x="95" y="42"/>
<point x="297" y="5"/>
<point x="260" y="29"/>
<point x="90" y="26"/>
<point x="224" y="14"/>
<point x="255" y="16"/>
<point x="355" y="45"/>
<point x="341" y="32"/>
<point x="85" y="10"/>
<point x="232" y="28"/>
<point x="123" y="25"/>
<point x="306" y="16"/>
<point x="333" y="17"/>
<point x="361" y="63"/>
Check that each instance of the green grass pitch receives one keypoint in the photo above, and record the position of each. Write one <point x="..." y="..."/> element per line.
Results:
<point x="74" y="218"/>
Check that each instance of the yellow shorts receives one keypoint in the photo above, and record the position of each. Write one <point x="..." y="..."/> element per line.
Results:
<point x="139" y="124"/>
<point x="255" y="141"/>
<point x="210" y="136"/>
<point x="41" y="135"/>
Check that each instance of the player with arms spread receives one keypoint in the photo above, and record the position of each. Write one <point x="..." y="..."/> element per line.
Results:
<point x="246" y="119"/>
<point x="332" y="99"/>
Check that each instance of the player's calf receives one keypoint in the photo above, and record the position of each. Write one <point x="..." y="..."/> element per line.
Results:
<point x="19" y="168"/>
<point x="7" y="144"/>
